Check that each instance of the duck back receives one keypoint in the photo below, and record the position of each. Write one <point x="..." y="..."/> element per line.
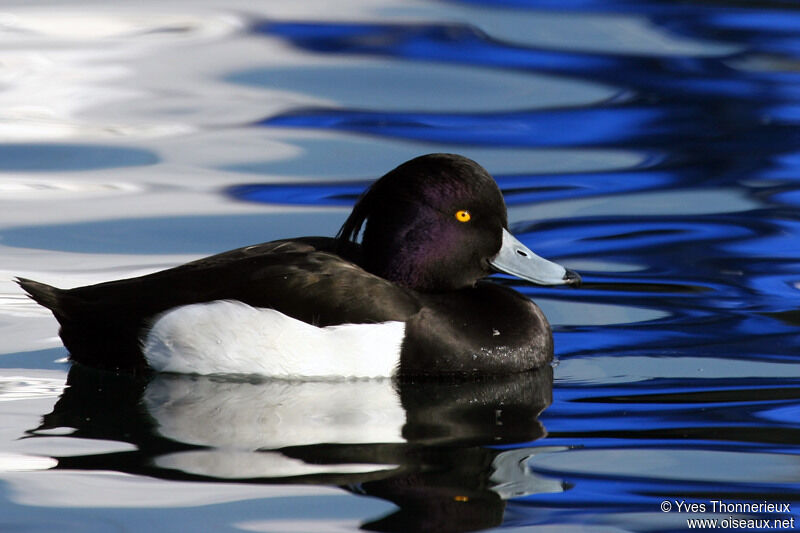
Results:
<point x="104" y="325"/>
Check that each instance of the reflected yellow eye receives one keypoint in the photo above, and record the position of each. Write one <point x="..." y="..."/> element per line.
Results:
<point x="463" y="216"/>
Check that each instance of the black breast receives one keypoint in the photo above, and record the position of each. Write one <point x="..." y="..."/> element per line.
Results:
<point x="488" y="329"/>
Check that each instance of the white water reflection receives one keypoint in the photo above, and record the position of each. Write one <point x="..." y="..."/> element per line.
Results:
<point x="68" y="24"/>
<point x="115" y="490"/>
<point x="14" y="388"/>
<point x="238" y="464"/>
<point x="274" y="414"/>
<point x="50" y="190"/>
<point x="10" y="462"/>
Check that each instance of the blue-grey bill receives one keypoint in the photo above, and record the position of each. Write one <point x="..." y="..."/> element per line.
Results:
<point x="518" y="260"/>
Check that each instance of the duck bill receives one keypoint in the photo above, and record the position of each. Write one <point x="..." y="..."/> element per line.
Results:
<point x="518" y="260"/>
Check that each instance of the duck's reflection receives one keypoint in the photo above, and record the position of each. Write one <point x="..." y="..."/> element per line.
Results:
<point x="420" y="445"/>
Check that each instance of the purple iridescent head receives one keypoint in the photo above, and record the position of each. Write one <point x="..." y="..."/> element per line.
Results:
<point x="439" y="222"/>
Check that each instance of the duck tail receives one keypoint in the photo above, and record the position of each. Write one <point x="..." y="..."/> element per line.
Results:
<point x="89" y="329"/>
<point x="45" y="295"/>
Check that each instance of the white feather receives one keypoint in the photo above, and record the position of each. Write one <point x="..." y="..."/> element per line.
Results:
<point x="230" y="337"/>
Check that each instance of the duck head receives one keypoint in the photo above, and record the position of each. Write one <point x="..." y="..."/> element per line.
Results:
<point x="438" y="222"/>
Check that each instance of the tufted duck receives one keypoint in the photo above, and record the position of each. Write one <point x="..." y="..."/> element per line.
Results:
<point x="407" y="300"/>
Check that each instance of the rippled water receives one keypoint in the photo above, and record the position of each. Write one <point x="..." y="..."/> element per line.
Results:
<point x="653" y="146"/>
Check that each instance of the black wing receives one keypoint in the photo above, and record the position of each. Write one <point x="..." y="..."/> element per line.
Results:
<point x="101" y="324"/>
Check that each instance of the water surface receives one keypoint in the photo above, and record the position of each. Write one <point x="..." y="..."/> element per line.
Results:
<point x="653" y="146"/>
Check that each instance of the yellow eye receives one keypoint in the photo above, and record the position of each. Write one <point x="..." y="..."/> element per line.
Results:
<point x="463" y="216"/>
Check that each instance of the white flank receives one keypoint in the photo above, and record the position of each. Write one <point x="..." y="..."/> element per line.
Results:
<point x="229" y="337"/>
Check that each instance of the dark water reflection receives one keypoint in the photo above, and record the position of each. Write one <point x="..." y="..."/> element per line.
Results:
<point x="420" y="445"/>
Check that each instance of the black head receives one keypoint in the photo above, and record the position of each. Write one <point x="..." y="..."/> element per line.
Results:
<point x="433" y="223"/>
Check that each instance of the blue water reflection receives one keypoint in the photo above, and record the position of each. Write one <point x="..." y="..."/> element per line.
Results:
<point x="700" y="372"/>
